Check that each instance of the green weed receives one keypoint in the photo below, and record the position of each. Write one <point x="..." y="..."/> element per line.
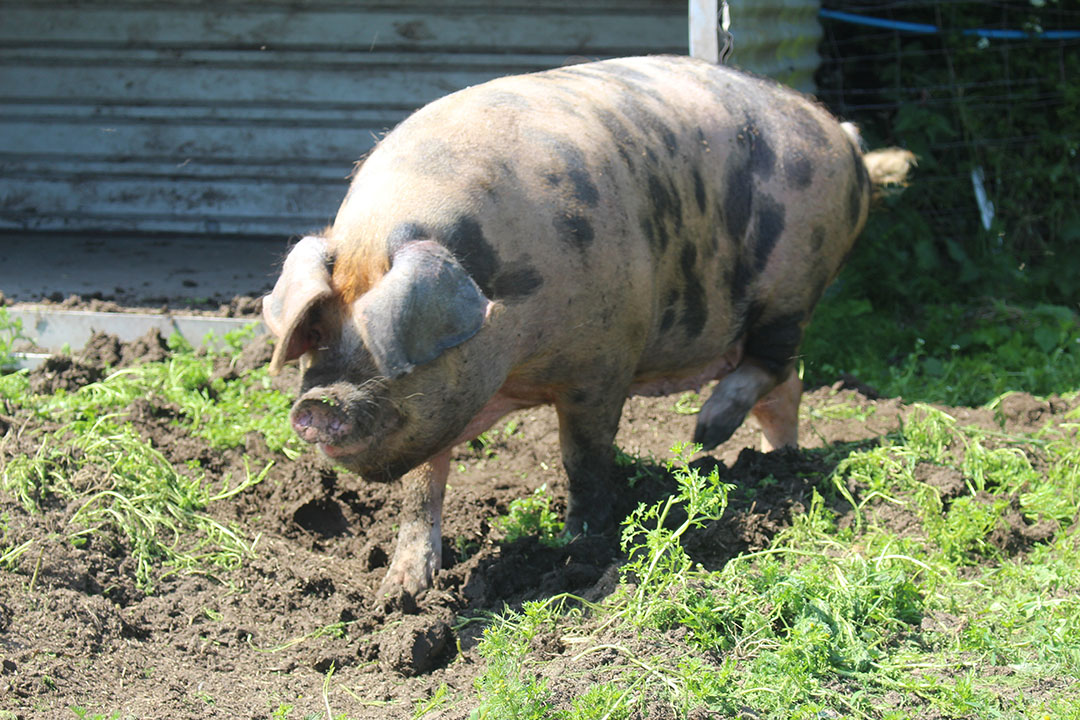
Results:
<point x="532" y="516"/>
<point x="439" y="700"/>
<point x="955" y="354"/>
<point x="84" y="714"/>
<point x="95" y="461"/>
<point x="831" y="619"/>
<point x="10" y="333"/>
<point x="657" y="558"/>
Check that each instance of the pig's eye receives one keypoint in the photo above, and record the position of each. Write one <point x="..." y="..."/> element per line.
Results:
<point x="315" y="338"/>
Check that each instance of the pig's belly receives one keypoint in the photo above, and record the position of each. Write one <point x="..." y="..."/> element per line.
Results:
<point x="655" y="383"/>
<point x="659" y="382"/>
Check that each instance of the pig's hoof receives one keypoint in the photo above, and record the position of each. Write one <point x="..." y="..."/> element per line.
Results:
<point x="711" y="434"/>
<point x="396" y="585"/>
<point x="717" y="422"/>
<point x="412" y="571"/>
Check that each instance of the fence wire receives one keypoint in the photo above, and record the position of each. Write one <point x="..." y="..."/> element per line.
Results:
<point x="988" y="87"/>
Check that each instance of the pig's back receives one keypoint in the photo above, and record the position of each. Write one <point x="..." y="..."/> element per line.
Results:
<point x="660" y="204"/>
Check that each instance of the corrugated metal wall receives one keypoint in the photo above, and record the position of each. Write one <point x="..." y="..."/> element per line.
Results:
<point x="778" y="38"/>
<point x="244" y="117"/>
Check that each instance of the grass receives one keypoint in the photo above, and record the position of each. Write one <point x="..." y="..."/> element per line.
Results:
<point x="532" y="516"/>
<point x="10" y="333"/>
<point x="951" y="354"/>
<point x="831" y="620"/>
<point x="890" y="596"/>
<point x="120" y="487"/>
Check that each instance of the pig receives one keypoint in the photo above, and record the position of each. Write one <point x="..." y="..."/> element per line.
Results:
<point x="575" y="236"/>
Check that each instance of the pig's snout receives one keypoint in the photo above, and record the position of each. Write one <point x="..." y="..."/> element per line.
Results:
<point x="321" y="420"/>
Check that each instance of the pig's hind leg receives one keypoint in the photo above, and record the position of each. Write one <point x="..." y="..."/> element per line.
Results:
<point x="765" y="382"/>
<point x="777" y="412"/>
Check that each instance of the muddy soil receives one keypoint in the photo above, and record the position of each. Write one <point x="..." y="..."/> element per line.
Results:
<point x="76" y="630"/>
<point x="239" y="306"/>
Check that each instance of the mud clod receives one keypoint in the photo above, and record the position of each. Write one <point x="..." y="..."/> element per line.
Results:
<point x="415" y="646"/>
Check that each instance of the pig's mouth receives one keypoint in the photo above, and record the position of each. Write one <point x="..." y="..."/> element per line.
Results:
<point x="343" y="450"/>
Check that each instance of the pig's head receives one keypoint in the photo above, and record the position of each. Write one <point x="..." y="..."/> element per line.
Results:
<point x="390" y="378"/>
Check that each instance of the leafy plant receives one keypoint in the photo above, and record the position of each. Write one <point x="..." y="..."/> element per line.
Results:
<point x="532" y="516"/>
<point x="10" y="332"/>
<point x="828" y="620"/>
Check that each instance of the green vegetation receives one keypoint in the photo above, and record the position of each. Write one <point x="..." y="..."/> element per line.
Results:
<point x="156" y="508"/>
<point x="833" y="620"/>
<point x="532" y="516"/>
<point x="956" y="354"/>
<point x="932" y="306"/>
<point x="10" y="332"/>
<point x="964" y="103"/>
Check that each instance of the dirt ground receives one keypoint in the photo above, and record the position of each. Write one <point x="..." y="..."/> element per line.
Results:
<point x="75" y="630"/>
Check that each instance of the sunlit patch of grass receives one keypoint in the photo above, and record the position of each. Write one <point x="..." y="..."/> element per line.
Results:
<point x="950" y="353"/>
<point x="221" y="411"/>
<point x="117" y="481"/>
<point x="532" y="516"/>
<point x="832" y="619"/>
<point x="111" y="478"/>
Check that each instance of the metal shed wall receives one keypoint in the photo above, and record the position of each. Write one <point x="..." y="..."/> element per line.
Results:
<point x="245" y="117"/>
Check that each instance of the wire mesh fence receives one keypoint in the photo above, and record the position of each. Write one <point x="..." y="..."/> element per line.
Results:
<point x="987" y="94"/>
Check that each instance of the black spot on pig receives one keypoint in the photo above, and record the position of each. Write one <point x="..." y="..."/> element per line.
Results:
<point x="641" y="116"/>
<point x="668" y="317"/>
<point x="773" y="342"/>
<point x="738" y="198"/>
<point x="575" y="230"/>
<point x="699" y="190"/>
<point x="403" y="234"/>
<point x="516" y="281"/>
<point x="762" y="156"/>
<point x="695" y="311"/>
<point x="585" y="190"/>
<point x="799" y="171"/>
<point x="655" y="233"/>
<point x="817" y="239"/>
<point x="465" y="239"/>
<point x="574" y="170"/>
<point x="665" y="215"/>
<point x="622" y="138"/>
<point x="739" y="279"/>
<point x="768" y="226"/>
<point x="860" y="186"/>
<point x="667" y="205"/>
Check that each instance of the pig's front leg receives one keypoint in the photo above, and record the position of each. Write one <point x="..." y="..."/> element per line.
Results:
<point x="419" y="546"/>
<point x="588" y="421"/>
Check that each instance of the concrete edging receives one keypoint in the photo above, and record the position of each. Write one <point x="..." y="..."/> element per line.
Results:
<point x="51" y="329"/>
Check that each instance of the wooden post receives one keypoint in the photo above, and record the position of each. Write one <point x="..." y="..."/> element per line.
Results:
<point x="704" y="39"/>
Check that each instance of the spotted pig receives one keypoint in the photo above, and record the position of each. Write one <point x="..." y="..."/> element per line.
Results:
<point x="635" y="226"/>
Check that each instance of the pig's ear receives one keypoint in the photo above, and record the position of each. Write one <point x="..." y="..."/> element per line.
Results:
<point x="304" y="281"/>
<point x="425" y="305"/>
